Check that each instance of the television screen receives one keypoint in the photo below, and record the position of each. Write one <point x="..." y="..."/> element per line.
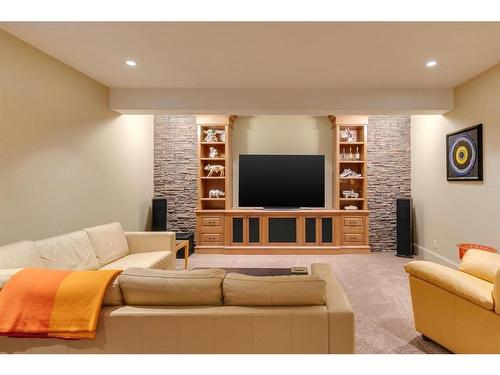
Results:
<point x="282" y="181"/>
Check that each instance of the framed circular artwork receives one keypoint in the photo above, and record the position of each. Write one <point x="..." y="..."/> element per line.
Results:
<point x="464" y="154"/>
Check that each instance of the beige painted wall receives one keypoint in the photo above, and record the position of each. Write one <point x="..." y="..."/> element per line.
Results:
<point x="66" y="160"/>
<point x="451" y="212"/>
<point x="299" y="135"/>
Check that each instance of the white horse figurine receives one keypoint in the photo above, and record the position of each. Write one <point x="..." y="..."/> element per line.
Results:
<point x="215" y="168"/>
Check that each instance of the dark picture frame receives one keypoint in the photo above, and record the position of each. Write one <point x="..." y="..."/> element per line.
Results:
<point x="464" y="154"/>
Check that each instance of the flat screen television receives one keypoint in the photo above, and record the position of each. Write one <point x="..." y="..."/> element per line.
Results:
<point x="281" y="181"/>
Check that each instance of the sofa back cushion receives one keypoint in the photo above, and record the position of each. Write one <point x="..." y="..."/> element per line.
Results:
<point x="152" y="287"/>
<point x="244" y="290"/>
<point x="109" y="242"/>
<point x="20" y="255"/>
<point x="71" y="251"/>
<point x="481" y="264"/>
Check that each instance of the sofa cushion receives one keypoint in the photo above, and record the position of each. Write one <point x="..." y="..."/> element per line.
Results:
<point x="72" y="251"/>
<point x="244" y="290"/>
<point x="155" y="259"/>
<point x="6" y="274"/>
<point x="150" y="287"/>
<point x="109" y="242"/>
<point x="113" y="295"/>
<point x="480" y="263"/>
<point x="20" y="255"/>
<point x="460" y="283"/>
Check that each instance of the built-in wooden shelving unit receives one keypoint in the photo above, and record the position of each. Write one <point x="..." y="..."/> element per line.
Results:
<point x="349" y="150"/>
<point x="223" y="126"/>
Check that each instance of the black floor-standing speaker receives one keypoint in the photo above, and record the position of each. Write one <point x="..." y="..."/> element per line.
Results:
<point x="404" y="227"/>
<point x="159" y="215"/>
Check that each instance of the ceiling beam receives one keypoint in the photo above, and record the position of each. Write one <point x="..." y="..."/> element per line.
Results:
<point x="250" y="102"/>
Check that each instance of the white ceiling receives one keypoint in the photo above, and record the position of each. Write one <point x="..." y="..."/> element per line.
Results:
<point x="269" y="55"/>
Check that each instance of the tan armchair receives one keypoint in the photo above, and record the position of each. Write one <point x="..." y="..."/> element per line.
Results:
<point x="459" y="309"/>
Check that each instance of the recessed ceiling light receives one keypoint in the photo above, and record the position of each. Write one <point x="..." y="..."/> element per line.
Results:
<point x="431" y="63"/>
<point x="130" y="63"/>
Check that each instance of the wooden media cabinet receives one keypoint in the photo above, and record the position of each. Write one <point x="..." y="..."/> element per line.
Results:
<point x="222" y="229"/>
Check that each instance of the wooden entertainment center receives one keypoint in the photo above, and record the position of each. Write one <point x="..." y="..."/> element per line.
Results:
<point x="222" y="229"/>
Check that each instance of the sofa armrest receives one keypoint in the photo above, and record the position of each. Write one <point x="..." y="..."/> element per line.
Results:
<point x="496" y="292"/>
<point x="340" y="314"/>
<point x="471" y="288"/>
<point x="143" y="242"/>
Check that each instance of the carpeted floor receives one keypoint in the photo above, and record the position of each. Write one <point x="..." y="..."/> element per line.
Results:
<point x="376" y="285"/>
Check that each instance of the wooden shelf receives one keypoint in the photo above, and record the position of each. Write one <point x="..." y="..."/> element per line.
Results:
<point x="358" y="126"/>
<point x="223" y="124"/>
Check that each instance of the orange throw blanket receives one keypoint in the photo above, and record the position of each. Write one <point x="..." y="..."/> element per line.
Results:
<point x="53" y="303"/>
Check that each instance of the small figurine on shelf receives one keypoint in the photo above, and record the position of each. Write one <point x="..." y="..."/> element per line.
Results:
<point x="350" y="208"/>
<point x="350" y="194"/>
<point x="212" y="135"/>
<point x="215" y="193"/>
<point x="215" y="168"/>
<point x="349" y="135"/>
<point x="213" y="153"/>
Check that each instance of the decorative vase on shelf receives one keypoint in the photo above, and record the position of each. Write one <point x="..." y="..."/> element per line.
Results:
<point x="356" y="155"/>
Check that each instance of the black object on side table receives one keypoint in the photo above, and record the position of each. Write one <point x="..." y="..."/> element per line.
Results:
<point x="185" y="236"/>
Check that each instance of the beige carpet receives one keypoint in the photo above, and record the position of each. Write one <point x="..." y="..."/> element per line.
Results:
<point x="376" y="285"/>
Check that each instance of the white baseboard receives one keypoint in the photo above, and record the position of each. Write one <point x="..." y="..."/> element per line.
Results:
<point x="426" y="254"/>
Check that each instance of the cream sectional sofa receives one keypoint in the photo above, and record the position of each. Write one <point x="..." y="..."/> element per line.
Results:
<point x="101" y="247"/>
<point x="207" y="311"/>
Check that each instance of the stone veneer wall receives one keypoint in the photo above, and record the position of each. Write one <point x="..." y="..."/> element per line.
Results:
<point x="389" y="173"/>
<point x="175" y="169"/>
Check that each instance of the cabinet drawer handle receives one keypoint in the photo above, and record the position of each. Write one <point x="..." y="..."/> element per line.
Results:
<point x="212" y="238"/>
<point x="212" y="223"/>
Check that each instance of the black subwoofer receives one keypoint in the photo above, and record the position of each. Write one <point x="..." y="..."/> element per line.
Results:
<point x="404" y="227"/>
<point x="159" y="215"/>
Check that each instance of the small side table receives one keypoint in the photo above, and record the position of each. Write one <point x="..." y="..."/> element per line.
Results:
<point x="183" y="244"/>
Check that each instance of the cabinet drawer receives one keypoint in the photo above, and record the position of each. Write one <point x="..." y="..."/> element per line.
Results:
<point x="353" y="221"/>
<point x="353" y="237"/>
<point x="211" y="237"/>
<point x="211" y="221"/>
<point x="354" y="229"/>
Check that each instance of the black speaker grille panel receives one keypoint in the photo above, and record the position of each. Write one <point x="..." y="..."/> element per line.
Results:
<point x="404" y="237"/>
<point x="253" y="230"/>
<point x="310" y="230"/>
<point x="159" y="215"/>
<point x="238" y="230"/>
<point x="326" y="230"/>
<point x="282" y="230"/>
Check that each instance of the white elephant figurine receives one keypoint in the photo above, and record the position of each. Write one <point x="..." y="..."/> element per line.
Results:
<point x="215" y="168"/>
<point x="215" y="193"/>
